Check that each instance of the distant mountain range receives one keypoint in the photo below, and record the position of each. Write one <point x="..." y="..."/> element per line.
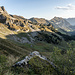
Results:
<point x="39" y="20"/>
<point x="59" y="22"/>
<point x="71" y="21"/>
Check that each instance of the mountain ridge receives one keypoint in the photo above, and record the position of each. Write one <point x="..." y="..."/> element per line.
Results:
<point x="32" y="28"/>
<point x="28" y="31"/>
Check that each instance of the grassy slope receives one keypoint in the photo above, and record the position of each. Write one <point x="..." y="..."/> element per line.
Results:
<point x="5" y="31"/>
<point x="11" y="52"/>
<point x="64" y="52"/>
<point x="62" y="55"/>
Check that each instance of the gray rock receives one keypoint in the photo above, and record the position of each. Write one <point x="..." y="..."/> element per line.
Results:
<point x="31" y="55"/>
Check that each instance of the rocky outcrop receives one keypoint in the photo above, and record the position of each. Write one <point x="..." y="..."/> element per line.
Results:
<point x="13" y="23"/>
<point x="30" y="56"/>
<point x="2" y="9"/>
<point x="2" y="17"/>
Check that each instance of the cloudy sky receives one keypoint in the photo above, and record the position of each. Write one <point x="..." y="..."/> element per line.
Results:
<point x="40" y="8"/>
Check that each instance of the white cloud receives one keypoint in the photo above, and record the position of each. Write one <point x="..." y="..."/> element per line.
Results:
<point x="68" y="7"/>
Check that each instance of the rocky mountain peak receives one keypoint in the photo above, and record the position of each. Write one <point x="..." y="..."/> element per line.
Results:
<point x="2" y="10"/>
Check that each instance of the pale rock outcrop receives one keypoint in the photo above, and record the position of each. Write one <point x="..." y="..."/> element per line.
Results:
<point x="31" y="55"/>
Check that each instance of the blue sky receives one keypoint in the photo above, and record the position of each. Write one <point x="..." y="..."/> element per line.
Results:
<point x="40" y="8"/>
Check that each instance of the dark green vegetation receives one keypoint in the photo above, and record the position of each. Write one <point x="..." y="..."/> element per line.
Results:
<point x="62" y="55"/>
<point x="41" y="67"/>
<point x="49" y="37"/>
<point x="36" y="66"/>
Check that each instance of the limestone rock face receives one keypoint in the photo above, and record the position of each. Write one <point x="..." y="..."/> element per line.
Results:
<point x="13" y="23"/>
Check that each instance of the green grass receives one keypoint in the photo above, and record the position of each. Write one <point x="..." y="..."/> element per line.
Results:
<point x="62" y="55"/>
<point x="41" y="67"/>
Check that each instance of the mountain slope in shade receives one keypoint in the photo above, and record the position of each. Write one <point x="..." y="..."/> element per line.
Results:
<point x="59" y="22"/>
<point x="72" y="22"/>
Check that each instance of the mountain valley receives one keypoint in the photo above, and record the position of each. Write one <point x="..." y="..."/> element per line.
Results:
<point x="20" y="37"/>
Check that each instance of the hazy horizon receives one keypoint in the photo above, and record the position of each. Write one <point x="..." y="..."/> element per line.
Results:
<point x="41" y="8"/>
